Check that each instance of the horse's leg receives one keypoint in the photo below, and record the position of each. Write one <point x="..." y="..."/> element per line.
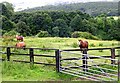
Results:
<point x="24" y="47"/>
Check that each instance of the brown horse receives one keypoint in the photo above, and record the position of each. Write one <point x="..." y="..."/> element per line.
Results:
<point x="83" y="44"/>
<point x="19" y="38"/>
<point x="20" y="45"/>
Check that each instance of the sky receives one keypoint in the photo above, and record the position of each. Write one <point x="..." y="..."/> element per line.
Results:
<point x="24" y="4"/>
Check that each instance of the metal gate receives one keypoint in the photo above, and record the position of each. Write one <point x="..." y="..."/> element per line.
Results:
<point x="89" y="67"/>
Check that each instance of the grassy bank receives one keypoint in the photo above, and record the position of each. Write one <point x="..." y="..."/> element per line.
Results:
<point x="23" y="72"/>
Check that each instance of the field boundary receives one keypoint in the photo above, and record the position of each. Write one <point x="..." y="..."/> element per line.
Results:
<point x="31" y="55"/>
<point x="58" y="59"/>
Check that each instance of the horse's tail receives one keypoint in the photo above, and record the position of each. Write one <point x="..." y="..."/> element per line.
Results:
<point x="22" y="38"/>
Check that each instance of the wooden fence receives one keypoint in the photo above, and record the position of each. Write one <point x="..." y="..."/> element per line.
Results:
<point x="31" y="55"/>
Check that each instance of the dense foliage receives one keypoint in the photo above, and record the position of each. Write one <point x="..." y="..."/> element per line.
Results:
<point x="92" y="8"/>
<point x="59" y="23"/>
<point x="43" y="34"/>
<point x="85" y="35"/>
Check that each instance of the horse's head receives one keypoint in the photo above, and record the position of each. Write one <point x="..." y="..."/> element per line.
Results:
<point x="80" y="41"/>
<point x="83" y="44"/>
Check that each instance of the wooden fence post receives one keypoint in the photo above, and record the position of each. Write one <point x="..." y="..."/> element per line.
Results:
<point x="8" y="53"/>
<point x="112" y="55"/>
<point x="118" y="70"/>
<point x="85" y="66"/>
<point x="31" y="56"/>
<point x="57" y="55"/>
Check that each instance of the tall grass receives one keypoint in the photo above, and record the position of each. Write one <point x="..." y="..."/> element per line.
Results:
<point x="64" y="43"/>
<point x="21" y="71"/>
<point x="61" y="43"/>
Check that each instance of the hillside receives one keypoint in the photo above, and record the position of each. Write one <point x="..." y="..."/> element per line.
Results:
<point x="59" y="24"/>
<point x="92" y="8"/>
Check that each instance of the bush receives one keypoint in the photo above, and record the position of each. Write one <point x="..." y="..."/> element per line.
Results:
<point x="86" y="35"/>
<point x="92" y="45"/>
<point x="43" y="34"/>
<point x="12" y="33"/>
<point x="8" y="38"/>
<point x="100" y="44"/>
<point x="75" y="45"/>
<point x="113" y="44"/>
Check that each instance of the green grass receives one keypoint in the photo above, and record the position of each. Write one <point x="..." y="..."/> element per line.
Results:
<point x="61" y="43"/>
<point x="0" y="72"/>
<point x="21" y="71"/>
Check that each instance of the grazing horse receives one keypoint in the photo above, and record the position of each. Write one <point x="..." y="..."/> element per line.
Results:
<point x="20" y="45"/>
<point x="83" y="44"/>
<point x="19" y="38"/>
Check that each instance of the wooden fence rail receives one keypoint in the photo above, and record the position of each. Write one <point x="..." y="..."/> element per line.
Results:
<point x="31" y="54"/>
<point x="57" y="56"/>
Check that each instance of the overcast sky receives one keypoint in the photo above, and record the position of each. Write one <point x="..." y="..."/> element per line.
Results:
<point x="24" y="4"/>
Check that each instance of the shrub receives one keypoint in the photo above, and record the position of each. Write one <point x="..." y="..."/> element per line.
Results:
<point x="75" y="34"/>
<point x="75" y="45"/>
<point x="113" y="44"/>
<point x="11" y="33"/>
<point x="86" y="35"/>
<point x="8" y="38"/>
<point x="100" y="44"/>
<point x="43" y="34"/>
<point x="92" y="45"/>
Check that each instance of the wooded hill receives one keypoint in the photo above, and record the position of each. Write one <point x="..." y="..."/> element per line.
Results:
<point x="91" y="8"/>
<point x="58" y="24"/>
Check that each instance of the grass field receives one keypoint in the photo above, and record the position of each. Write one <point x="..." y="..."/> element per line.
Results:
<point x="22" y="71"/>
<point x="61" y="43"/>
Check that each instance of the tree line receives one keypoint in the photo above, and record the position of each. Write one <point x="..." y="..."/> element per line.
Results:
<point x="92" y="8"/>
<point x="58" y="23"/>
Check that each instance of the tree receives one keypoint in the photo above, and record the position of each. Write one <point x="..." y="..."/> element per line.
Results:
<point x="57" y="15"/>
<point x="9" y="6"/>
<point x="114" y="31"/>
<point x="23" y="29"/>
<point x="7" y="24"/>
<point x="64" y="30"/>
<point x="89" y="26"/>
<point x="6" y="14"/>
<point x="47" y="22"/>
<point x="55" y="31"/>
<point x="76" y="23"/>
<point x="7" y="9"/>
<point x="40" y="21"/>
<point x="100" y="22"/>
